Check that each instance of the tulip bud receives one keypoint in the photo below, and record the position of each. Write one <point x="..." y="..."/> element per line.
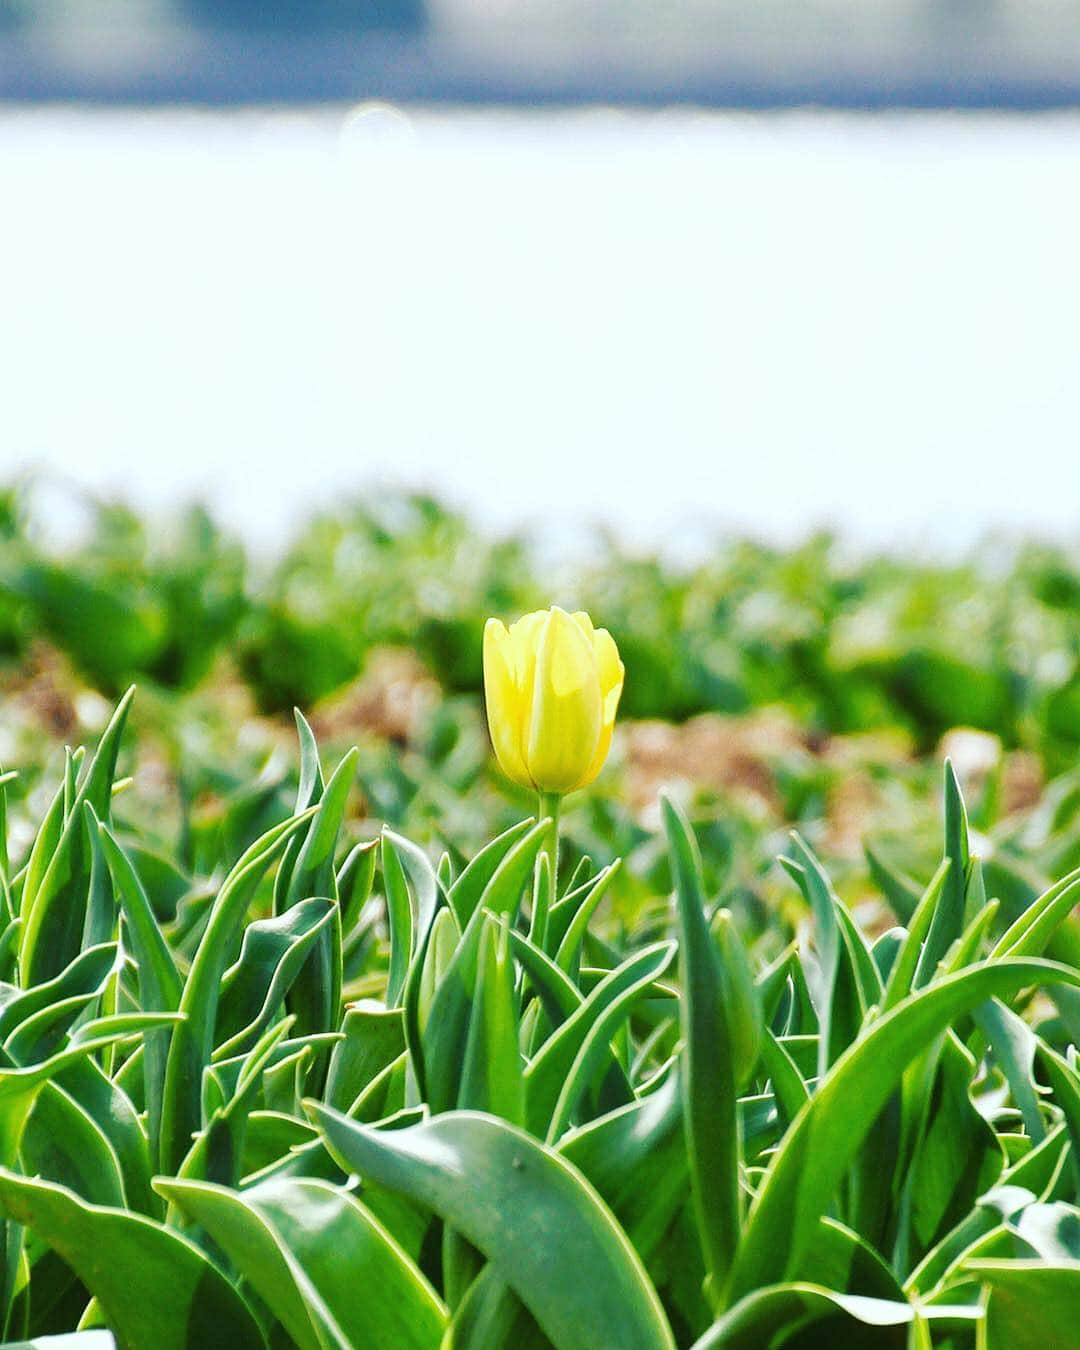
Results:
<point x="552" y="684"/>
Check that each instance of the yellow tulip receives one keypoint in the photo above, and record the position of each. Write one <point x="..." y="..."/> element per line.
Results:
<point x="552" y="683"/>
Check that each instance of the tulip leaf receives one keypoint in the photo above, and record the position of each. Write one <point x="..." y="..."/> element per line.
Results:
<point x="948" y="919"/>
<point x="446" y="1030"/>
<point x="271" y="958"/>
<point x="467" y="890"/>
<point x="770" y="1315"/>
<point x="534" y="1216"/>
<point x="635" y="1157"/>
<point x="314" y="994"/>
<point x="57" y="886"/>
<point x="1031" y="932"/>
<point x="585" y="1034"/>
<point x="192" y="1042"/>
<point x="491" y="1077"/>
<point x="323" y="1264"/>
<point x="599" y="1018"/>
<point x="796" y="1192"/>
<point x="158" y="1291"/>
<point x="708" y="1074"/>
<point x="901" y="979"/>
<point x="1030" y="1303"/>
<point x="160" y="986"/>
<point x="840" y="1000"/>
<point x="372" y="1037"/>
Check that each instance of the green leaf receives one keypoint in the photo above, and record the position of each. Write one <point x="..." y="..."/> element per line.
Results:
<point x="217" y="1150"/>
<point x="600" y="1017"/>
<point x="159" y="981"/>
<point x="271" y="957"/>
<point x="322" y="1263"/>
<point x="708" y="1070"/>
<point x="413" y="868"/>
<point x="902" y="893"/>
<point x="466" y="892"/>
<point x="373" y="1036"/>
<point x="491" y="1077"/>
<point x="958" y="1156"/>
<point x="158" y="1290"/>
<point x="115" y="1115"/>
<point x="192" y="1042"/>
<point x="62" y="1142"/>
<point x="314" y="995"/>
<point x="740" y="998"/>
<point x="1065" y="1081"/>
<point x="399" y="918"/>
<point x="75" y="1340"/>
<point x="1014" y="1043"/>
<point x="787" y="1082"/>
<point x="55" y="1003"/>
<point x="446" y="1030"/>
<point x="492" y="1317"/>
<point x="1031" y="932"/>
<point x="572" y="1054"/>
<point x="534" y="1216"/>
<point x="568" y="921"/>
<point x="769" y="1316"/>
<point x="54" y="907"/>
<point x="1031" y="1304"/>
<point x="354" y="881"/>
<point x="948" y="920"/>
<point x="838" y="994"/>
<point x="636" y="1158"/>
<point x="932" y="1273"/>
<point x="816" y="1151"/>
<point x="901" y="979"/>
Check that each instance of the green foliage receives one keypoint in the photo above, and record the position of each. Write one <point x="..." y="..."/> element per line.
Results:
<point x="290" y="1084"/>
<point x="847" y="645"/>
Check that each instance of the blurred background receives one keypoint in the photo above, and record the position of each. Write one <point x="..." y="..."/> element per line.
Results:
<point x="328" y="328"/>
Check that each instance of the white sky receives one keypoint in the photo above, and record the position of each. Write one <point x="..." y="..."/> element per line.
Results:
<point x="772" y="321"/>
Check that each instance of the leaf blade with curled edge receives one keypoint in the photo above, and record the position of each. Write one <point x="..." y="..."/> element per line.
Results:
<point x="595" y="1046"/>
<point x="314" y="995"/>
<point x="446" y="1028"/>
<point x="766" y="1315"/>
<point x="1031" y="1303"/>
<point x="901" y="979"/>
<point x="155" y="1287"/>
<point x="192" y="1042"/>
<point x="533" y="1215"/>
<point x="552" y="1068"/>
<point x="815" y="1152"/>
<point x="464" y="895"/>
<point x="1031" y="931"/>
<point x="301" y="1243"/>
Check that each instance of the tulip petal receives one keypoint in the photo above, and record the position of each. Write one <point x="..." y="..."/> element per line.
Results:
<point x="612" y="672"/>
<point x="506" y="702"/>
<point x="524" y="641"/>
<point x="566" y="720"/>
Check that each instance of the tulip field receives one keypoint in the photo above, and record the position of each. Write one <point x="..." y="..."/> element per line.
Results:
<point x="553" y="1011"/>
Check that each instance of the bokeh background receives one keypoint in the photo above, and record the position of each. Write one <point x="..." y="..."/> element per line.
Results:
<point x="328" y="329"/>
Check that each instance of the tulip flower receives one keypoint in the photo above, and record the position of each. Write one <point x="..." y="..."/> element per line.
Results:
<point x="552" y="683"/>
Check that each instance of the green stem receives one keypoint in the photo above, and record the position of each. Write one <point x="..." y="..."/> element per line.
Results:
<point x="543" y="903"/>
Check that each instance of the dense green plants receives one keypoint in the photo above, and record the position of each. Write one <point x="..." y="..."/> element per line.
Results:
<point x="847" y="644"/>
<point x="297" y="1087"/>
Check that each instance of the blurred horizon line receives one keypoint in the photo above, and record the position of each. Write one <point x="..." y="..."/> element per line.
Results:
<point x="747" y="70"/>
